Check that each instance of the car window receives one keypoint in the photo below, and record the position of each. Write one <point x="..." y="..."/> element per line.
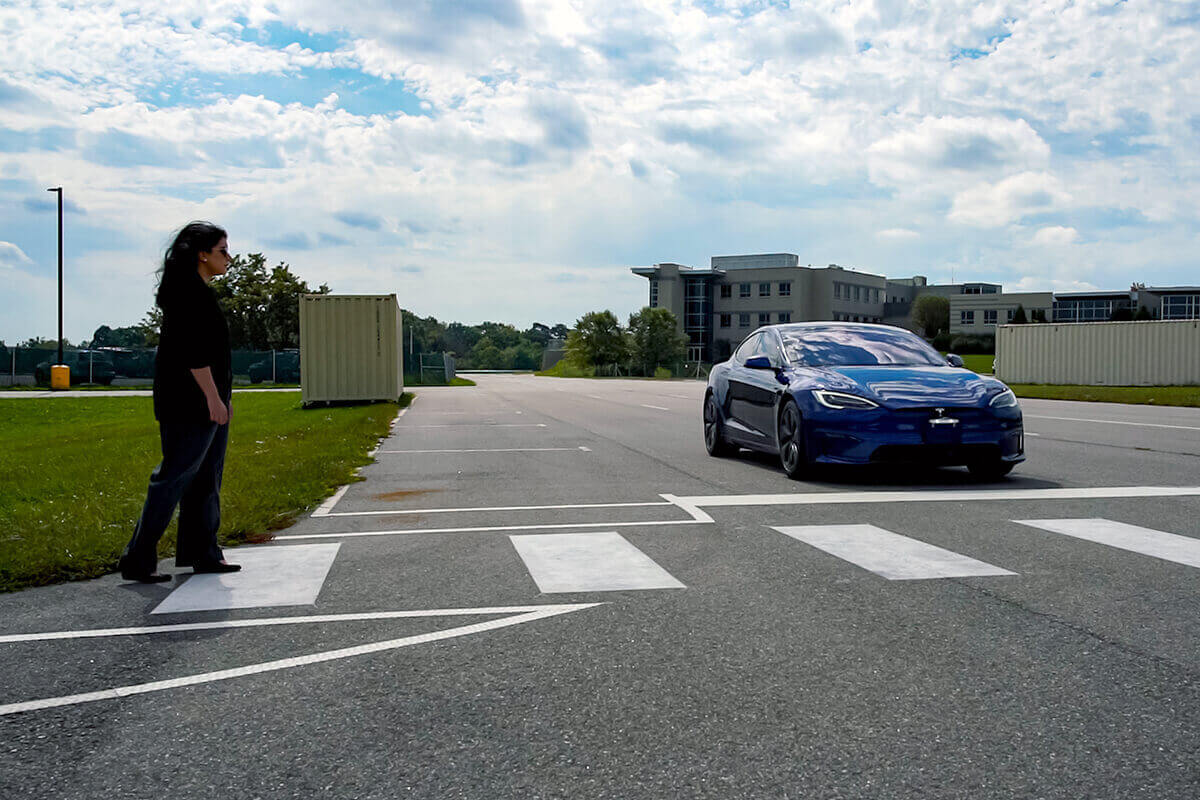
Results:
<point x="769" y="347"/>
<point x="748" y="349"/>
<point x="846" y="346"/>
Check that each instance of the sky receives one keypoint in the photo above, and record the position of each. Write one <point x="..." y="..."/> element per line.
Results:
<point x="510" y="160"/>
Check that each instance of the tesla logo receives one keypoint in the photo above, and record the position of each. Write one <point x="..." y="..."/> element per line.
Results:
<point x="939" y="412"/>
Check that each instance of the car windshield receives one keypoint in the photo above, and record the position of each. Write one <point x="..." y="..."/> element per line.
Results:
<point x="844" y="346"/>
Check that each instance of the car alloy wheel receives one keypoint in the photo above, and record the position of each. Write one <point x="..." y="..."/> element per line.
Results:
<point x="714" y="442"/>
<point x="791" y="440"/>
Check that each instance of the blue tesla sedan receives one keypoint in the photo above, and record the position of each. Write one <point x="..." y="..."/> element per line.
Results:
<point x="848" y="393"/>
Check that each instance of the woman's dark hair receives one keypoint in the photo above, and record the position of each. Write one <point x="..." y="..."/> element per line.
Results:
<point x="183" y="256"/>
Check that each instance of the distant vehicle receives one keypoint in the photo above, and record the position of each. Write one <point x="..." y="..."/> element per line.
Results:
<point x="287" y="368"/>
<point x="95" y="364"/>
<point x="130" y="363"/>
<point x="845" y="393"/>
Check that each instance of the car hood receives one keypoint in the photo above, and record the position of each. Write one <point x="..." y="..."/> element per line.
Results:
<point x="903" y="387"/>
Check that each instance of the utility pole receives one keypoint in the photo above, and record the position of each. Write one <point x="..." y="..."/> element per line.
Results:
<point x="59" y="190"/>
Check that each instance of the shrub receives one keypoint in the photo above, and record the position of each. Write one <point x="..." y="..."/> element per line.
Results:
<point x="942" y="341"/>
<point x="979" y="345"/>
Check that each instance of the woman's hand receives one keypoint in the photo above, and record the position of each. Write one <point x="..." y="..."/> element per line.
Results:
<point x="217" y="411"/>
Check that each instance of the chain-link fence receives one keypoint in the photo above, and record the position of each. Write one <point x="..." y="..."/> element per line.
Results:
<point x="120" y="366"/>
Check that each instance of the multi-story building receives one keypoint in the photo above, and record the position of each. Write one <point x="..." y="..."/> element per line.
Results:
<point x="718" y="306"/>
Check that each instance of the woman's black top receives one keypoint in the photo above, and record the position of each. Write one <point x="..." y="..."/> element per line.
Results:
<point x="194" y="335"/>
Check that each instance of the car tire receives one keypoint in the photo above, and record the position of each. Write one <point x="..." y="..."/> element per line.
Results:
<point x="793" y="455"/>
<point x="714" y="433"/>
<point x="990" y="470"/>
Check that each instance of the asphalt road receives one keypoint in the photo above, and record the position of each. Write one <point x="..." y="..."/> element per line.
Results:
<point x="508" y="516"/>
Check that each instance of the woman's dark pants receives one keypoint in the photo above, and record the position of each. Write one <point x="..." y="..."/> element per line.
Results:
<point x="189" y="477"/>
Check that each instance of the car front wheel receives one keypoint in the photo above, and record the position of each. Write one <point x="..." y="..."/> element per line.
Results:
<point x="792" y="456"/>
<point x="714" y="439"/>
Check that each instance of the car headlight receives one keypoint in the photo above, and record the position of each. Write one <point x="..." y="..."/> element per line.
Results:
<point x="1005" y="399"/>
<point x="840" y="400"/>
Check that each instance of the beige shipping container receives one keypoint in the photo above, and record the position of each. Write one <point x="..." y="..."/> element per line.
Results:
<point x="1151" y="353"/>
<point x="350" y="348"/>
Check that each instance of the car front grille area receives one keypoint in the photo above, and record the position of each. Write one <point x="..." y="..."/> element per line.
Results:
<point x="930" y="454"/>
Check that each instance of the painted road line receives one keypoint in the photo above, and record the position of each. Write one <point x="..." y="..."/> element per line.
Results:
<point x="695" y="512"/>
<point x="270" y="576"/>
<point x="496" y="450"/>
<point x="326" y="508"/>
<point x="261" y="622"/>
<point x="1030" y="433"/>
<point x="937" y="495"/>
<point x="493" y="529"/>
<point x="890" y="555"/>
<point x="589" y="562"/>
<point x="491" y="508"/>
<point x="118" y="692"/>
<point x="656" y="408"/>
<point x="1116" y="422"/>
<point x="1146" y="541"/>
<point x="483" y="425"/>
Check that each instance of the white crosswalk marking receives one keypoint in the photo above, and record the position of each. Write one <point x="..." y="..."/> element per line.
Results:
<point x="271" y="576"/>
<point x="589" y="562"/>
<point x="890" y="555"/>
<point x="1146" y="541"/>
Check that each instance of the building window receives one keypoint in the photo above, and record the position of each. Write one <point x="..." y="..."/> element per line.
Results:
<point x="743" y="290"/>
<point x="764" y="290"/>
<point x="1012" y="312"/>
<point x="837" y="290"/>
<point x="966" y="317"/>
<point x="653" y="293"/>
<point x="725" y="320"/>
<point x="989" y="316"/>
<point x="785" y="316"/>
<point x="726" y="291"/>
<point x="785" y="288"/>
<point x="764" y="319"/>
<point x="857" y="295"/>
<point x="743" y="320"/>
<point x="1180" y="306"/>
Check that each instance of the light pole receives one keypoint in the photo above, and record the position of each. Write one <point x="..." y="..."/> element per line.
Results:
<point x="58" y="189"/>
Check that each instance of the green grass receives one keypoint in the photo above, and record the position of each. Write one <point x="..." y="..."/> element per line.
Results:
<point x="414" y="380"/>
<point x="981" y="364"/>
<point x="1143" y="395"/>
<point x="75" y="472"/>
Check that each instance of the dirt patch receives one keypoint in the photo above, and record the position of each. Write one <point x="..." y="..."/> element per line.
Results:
<point x="406" y="494"/>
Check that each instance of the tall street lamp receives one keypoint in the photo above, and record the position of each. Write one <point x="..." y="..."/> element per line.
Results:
<point x="58" y="189"/>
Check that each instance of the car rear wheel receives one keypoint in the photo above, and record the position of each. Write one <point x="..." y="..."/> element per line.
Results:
<point x="990" y="470"/>
<point x="714" y="438"/>
<point x="792" y="455"/>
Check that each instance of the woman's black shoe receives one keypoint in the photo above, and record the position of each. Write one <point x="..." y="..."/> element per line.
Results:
<point x="145" y="577"/>
<point x="216" y="566"/>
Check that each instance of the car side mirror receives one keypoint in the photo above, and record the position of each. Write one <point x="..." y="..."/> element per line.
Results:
<point x="953" y="360"/>
<point x="759" y="362"/>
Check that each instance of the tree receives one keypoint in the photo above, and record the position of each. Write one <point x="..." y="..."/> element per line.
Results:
<point x="560" y="331"/>
<point x="931" y="314"/>
<point x="597" y="340"/>
<point x="655" y="339"/>
<point x="1143" y="313"/>
<point x="1039" y="315"/>
<point x="1019" y="317"/>
<point x="131" y="336"/>
<point x="1122" y="314"/>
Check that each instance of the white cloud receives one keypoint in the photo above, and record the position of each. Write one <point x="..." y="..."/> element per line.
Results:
<point x="989" y="205"/>
<point x="578" y="137"/>
<point x="1055" y="236"/>
<point x="13" y="257"/>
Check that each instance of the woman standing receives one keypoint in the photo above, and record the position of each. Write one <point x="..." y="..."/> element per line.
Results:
<point x="193" y="382"/>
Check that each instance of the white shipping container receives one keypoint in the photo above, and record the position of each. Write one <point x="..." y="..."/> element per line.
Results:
<point x="1149" y="353"/>
<point x="350" y="348"/>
